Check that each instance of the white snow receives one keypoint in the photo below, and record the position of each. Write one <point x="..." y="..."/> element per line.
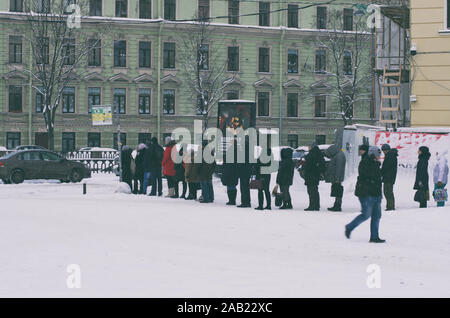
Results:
<point x="128" y="245"/>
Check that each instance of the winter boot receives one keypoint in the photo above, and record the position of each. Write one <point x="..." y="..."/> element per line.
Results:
<point x="377" y="240"/>
<point x="287" y="205"/>
<point x="231" y="197"/>
<point x="337" y="205"/>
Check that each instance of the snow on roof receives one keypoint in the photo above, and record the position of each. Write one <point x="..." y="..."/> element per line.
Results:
<point x="356" y="126"/>
<point x="3" y="148"/>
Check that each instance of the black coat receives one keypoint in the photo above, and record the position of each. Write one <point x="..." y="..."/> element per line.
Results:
<point x="140" y="164"/>
<point x="314" y="166"/>
<point x="285" y="174"/>
<point x="126" y="162"/>
<point x="389" y="167"/>
<point x="422" y="177"/>
<point x="230" y="176"/>
<point x="153" y="156"/>
<point x="369" y="178"/>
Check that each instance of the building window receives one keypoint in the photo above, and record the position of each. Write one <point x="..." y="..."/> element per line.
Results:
<point x="321" y="139"/>
<point x="292" y="61"/>
<point x="121" y="8"/>
<point x="120" y="97"/>
<point x="203" y="57"/>
<point x="39" y="100"/>
<point x="94" y="139"/>
<point x="144" y="138"/>
<point x="120" y="53"/>
<point x="263" y="103"/>
<point x="123" y="140"/>
<point x="292" y="105"/>
<point x="16" y="5"/>
<point x="170" y="9"/>
<point x="233" y="11"/>
<point x="169" y="55"/>
<point x="68" y="99"/>
<point x="95" y="52"/>
<point x="293" y="141"/>
<point x="68" y="49"/>
<point x="347" y="63"/>
<point x="68" y="142"/>
<point x="95" y="8"/>
<point x="320" y="103"/>
<point x="348" y="19"/>
<point x="264" y="60"/>
<point x="94" y="97"/>
<point x="292" y="16"/>
<point x="42" y="51"/>
<point x="321" y="18"/>
<point x="203" y="9"/>
<point x="12" y="140"/>
<point x="233" y="58"/>
<point x="15" y="99"/>
<point x="145" y="9"/>
<point x="321" y="61"/>
<point x="15" y="49"/>
<point x="145" y="54"/>
<point x="42" y="6"/>
<point x="264" y="13"/>
<point x="144" y="100"/>
<point x="232" y="95"/>
<point x="169" y="102"/>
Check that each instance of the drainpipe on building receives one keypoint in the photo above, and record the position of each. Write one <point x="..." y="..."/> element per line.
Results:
<point x="30" y="101"/>
<point x="281" y="84"/>
<point x="158" y="112"/>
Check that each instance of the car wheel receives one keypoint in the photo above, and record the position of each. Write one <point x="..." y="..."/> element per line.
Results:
<point x="17" y="177"/>
<point x="76" y="176"/>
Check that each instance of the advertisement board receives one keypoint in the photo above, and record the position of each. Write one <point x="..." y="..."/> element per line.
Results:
<point x="101" y="115"/>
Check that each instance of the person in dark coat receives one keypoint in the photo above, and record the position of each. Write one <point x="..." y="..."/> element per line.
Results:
<point x="138" y="181"/>
<point x="156" y="156"/>
<point x="230" y="177"/>
<point x="421" y="183"/>
<point x="205" y="176"/>
<point x="192" y="175"/>
<point x="389" y="174"/>
<point x="126" y="165"/>
<point x="265" y="181"/>
<point x="368" y="190"/>
<point x="335" y="175"/>
<point x="179" y="175"/>
<point x="314" y="168"/>
<point x="244" y="170"/>
<point x="285" y="177"/>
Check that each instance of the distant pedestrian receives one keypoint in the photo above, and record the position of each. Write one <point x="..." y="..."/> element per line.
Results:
<point x="440" y="175"/>
<point x="138" y="181"/>
<point x="422" y="178"/>
<point x="192" y="170"/>
<point x="368" y="190"/>
<point x="285" y="177"/>
<point x="244" y="170"/>
<point x="169" y="168"/>
<point x="205" y="176"/>
<point x="179" y="175"/>
<point x="335" y="175"/>
<point x="126" y="165"/>
<point x="230" y="177"/>
<point x="314" y="168"/>
<point x="156" y="157"/>
<point x="264" y="179"/>
<point x="389" y="175"/>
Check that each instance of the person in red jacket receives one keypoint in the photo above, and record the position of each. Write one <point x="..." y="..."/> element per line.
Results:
<point x="169" y="167"/>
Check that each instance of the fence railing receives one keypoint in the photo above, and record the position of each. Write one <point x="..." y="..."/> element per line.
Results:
<point x="97" y="161"/>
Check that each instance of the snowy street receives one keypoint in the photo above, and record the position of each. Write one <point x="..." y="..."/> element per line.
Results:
<point x="140" y="246"/>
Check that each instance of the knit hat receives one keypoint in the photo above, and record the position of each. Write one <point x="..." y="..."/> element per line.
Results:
<point x="364" y="147"/>
<point x="385" y="147"/>
<point x="375" y="151"/>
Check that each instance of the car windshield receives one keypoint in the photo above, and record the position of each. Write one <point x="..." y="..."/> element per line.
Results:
<point x="50" y="156"/>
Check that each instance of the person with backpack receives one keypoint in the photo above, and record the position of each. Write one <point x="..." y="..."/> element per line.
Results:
<point x="335" y="175"/>
<point x="285" y="177"/>
<point x="156" y="157"/>
<point x="314" y="168"/>
<point x="440" y="178"/>
<point x="389" y="175"/>
<point x="169" y="168"/>
<point x="368" y="190"/>
<point x="422" y="177"/>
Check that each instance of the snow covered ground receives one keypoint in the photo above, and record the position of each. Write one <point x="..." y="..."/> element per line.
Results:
<point x="127" y="245"/>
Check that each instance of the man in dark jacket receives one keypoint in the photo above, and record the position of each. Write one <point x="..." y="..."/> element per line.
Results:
<point x="368" y="190"/>
<point x="389" y="174"/>
<point x="139" y="175"/>
<point x="156" y="157"/>
<point x="314" y="168"/>
<point x="422" y="178"/>
<point x="335" y="175"/>
<point x="206" y="173"/>
<point x="285" y="177"/>
<point x="126" y="165"/>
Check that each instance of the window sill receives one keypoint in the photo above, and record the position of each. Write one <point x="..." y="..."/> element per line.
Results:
<point x="444" y="32"/>
<point x="264" y="73"/>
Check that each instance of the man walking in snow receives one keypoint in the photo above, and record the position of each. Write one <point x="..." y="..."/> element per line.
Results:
<point x="389" y="174"/>
<point x="368" y="190"/>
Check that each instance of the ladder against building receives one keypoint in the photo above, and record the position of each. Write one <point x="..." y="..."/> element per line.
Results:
<point x="390" y="97"/>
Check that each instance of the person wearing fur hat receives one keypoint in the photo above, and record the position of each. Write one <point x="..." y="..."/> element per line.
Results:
<point x="389" y="174"/>
<point x="368" y="190"/>
<point x="422" y="177"/>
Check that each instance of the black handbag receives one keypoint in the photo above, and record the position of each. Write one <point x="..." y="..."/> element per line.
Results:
<point x="278" y="199"/>
<point x="419" y="196"/>
<point x="337" y="190"/>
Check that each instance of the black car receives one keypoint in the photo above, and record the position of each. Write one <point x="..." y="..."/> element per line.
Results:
<point x="16" y="167"/>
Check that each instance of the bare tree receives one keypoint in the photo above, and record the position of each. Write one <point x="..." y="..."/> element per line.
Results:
<point x="204" y="67"/>
<point x="346" y="44"/>
<point x="60" y="47"/>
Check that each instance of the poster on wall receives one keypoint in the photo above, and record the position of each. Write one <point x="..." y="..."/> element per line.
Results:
<point x="102" y="115"/>
<point x="236" y="114"/>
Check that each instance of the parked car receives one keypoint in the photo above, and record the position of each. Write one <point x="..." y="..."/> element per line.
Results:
<point x="29" y="147"/>
<point x="16" y="167"/>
